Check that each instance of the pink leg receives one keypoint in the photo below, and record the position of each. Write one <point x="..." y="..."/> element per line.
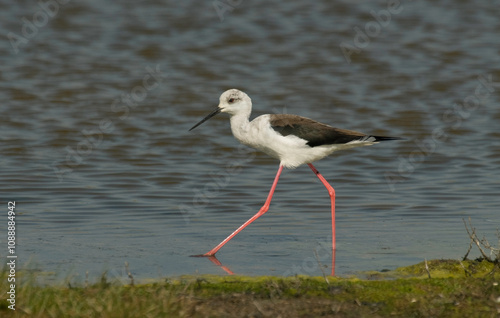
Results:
<point x="262" y="210"/>
<point x="331" y="192"/>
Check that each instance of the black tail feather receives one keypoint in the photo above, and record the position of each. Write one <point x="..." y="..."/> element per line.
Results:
<point x="382" y="138"/>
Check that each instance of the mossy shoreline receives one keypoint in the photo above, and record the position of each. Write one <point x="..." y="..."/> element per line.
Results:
<point x="438" y="288"/>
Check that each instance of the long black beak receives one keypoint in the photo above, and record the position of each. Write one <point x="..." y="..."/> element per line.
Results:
<point x="212" y="114"/>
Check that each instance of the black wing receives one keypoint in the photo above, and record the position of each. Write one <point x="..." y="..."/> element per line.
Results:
<point x="314" y="132"/>
<point x="317" y="133"/>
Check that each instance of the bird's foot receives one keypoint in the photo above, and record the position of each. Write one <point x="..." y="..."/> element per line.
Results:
<point x="203" y="255"/>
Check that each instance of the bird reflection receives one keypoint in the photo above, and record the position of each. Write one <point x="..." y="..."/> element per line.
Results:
<point x="214" y="260"/>
<point x="218" y="263"/>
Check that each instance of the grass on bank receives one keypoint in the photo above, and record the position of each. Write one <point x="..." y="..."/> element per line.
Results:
<point x="454" y="289"/>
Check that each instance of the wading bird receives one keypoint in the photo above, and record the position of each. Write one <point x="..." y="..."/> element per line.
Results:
<point x="292" y="139"/>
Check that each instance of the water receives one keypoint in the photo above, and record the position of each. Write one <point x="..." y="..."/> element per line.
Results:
<point x="97" y="101"/>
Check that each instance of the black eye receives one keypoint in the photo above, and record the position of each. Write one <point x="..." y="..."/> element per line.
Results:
<point x="231" y="100"/>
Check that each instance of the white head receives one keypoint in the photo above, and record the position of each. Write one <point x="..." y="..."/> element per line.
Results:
<point x="233" y="102"/>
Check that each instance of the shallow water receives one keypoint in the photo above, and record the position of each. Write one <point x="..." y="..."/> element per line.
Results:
<point x="99" y="97"/>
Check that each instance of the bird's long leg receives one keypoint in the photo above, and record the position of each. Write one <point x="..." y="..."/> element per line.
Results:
<point x="331" y="192"/>
<point x="262" y="210"/>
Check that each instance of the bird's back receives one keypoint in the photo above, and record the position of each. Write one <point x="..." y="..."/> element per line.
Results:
<point x="315" y="133"/>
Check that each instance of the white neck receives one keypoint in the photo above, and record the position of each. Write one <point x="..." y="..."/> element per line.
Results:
<point x="240" y="127"/>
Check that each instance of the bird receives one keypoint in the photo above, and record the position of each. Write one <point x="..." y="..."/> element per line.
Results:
<point x="293" y="140"/>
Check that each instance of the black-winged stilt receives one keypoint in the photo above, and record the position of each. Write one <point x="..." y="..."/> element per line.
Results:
<point x="292" y="139"/>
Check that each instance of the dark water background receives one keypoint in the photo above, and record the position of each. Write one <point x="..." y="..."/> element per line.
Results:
<point x="97" y="99"/>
